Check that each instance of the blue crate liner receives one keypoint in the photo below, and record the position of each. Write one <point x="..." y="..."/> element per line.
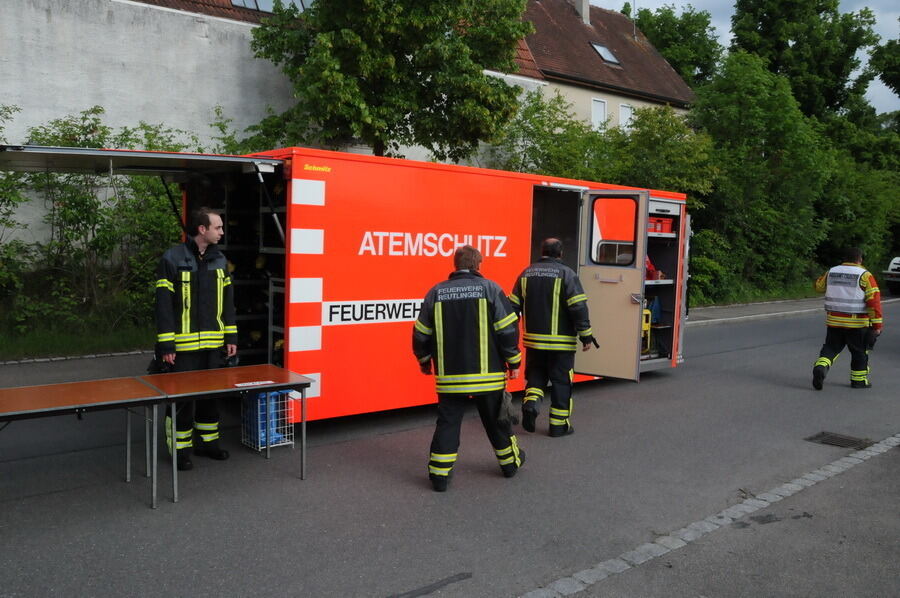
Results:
<point x="255" y="415"/>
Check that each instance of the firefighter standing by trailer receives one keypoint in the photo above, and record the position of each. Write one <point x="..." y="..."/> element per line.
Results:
<point x="195" y="319"/>
<point x="554" y="307"/>
<point x="853" y="306"/>
<point x="466" y="331"/>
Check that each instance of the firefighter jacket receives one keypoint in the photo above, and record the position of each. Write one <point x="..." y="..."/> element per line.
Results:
<point x="553" y="305"/>
<point x="467" y="330"/>
<point x="852" y="297"/>
<point x="194" y="300"/>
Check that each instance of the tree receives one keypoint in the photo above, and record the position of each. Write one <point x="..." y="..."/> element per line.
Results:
<point x="810" y="43"/>
<point x="773" y="169"/>
<point x="97" y="260"/>
<point x="860" y="205"/>
<point x="10" y="183"/>
<point x="885" y="62"/>
<point x="545" y="138"/>
<point x="14" y="253"/>
<point x="394" y="72"/>
<point x="688" y="41"/>
<point x="659" y="150"/>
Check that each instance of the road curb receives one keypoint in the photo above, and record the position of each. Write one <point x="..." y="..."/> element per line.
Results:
<point x="71" y="357"/>
<point x="779" y="314"/>
<point x="765" y="316"/>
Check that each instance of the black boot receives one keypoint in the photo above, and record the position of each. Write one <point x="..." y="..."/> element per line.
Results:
<point x="206" y="441"/>
<point x="439" y="482"/>
<point x="558" y="431"/>
<point x="529" y="416"/>
<point x="819" y="376"/>
<point x="212" y="450"/>
<point x="183" y="460"/>
<point x="512" y="469"/>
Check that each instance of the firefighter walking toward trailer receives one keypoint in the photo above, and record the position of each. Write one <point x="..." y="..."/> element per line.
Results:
<point x="554" y="309"/>
<point x="467" y="334"/>
<point x="195" y="320"/>
<point x="853" y="306"/>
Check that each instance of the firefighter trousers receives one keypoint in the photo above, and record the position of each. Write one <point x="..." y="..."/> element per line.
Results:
<point x="202" y="414"/>
<point x="558" y="368"/>
<point x="445" y="442"/>
<point x="857" y="340"/>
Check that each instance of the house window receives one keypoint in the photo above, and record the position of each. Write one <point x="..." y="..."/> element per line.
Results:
<point x="605" y="53"/>
<point x="626" y="113"/>
<point x="268" y="5"/>
<point x="598" y="113"/>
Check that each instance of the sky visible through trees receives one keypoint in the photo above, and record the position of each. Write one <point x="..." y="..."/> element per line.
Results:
<point x="886" y="13"/>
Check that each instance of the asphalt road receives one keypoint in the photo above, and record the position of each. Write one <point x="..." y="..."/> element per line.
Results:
<point x="647" y="461"/>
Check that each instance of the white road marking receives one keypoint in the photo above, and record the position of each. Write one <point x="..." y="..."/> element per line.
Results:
<point x="661" y="545"/>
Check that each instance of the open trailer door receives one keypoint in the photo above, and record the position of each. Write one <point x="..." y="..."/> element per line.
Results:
<point x="612" y="253"/>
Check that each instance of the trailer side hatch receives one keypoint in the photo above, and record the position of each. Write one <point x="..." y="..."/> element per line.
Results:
<point x="611" y="255"/>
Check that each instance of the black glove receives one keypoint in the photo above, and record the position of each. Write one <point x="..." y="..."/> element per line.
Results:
<point x="587" y="340"/>
<point x="425" y="368"/>
<point x="158" y="366"/>
<point x="871" y="337"/>
<point x="506" y="416"/>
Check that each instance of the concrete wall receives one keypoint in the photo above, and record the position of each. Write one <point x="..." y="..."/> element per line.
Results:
<point x="140" y="62"/>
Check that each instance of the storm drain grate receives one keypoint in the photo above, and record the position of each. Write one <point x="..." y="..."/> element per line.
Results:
<point x="840" y="440"/>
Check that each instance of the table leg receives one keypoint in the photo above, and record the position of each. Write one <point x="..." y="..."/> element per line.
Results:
<point x="174" y="456"/>
<point x="154" y="461"/>
<point x="147" y="439"/>
<point x="303" y="434"/>
<point x="127" y="444"/>
<point x="268" y="422"/>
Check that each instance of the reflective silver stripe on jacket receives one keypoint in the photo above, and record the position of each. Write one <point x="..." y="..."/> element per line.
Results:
<point x="842" y="292"/>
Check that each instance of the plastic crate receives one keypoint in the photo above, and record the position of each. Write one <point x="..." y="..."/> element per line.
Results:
<point x="659" y="225"/>
<point x="280" y="430"/>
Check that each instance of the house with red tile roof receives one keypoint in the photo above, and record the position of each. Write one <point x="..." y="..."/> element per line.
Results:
<point x="598" y="60"/>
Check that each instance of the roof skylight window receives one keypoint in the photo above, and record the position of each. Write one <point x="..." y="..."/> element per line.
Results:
<point x="605" y="53"/>
<point x="266" y="5"/>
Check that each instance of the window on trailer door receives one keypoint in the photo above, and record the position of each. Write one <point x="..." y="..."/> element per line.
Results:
<point x="618" y="253"/>
<point x="613" y="222"/>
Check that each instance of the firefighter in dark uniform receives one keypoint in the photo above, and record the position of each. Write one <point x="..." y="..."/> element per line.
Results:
<point x="195" y="320"/>
<point x="554" y="309"/>
<point x="853" y="318"/>
<point x="466" y="333"/>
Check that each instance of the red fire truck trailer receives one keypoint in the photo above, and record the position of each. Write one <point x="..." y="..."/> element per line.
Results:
<point x="332" y="253"/>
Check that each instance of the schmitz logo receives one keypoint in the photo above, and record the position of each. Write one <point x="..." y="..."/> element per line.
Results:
<point x="335" y="313"/>
<point x="429" y="244"/>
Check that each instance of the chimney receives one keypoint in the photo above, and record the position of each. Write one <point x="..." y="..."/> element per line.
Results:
<point x="583" y="8"/>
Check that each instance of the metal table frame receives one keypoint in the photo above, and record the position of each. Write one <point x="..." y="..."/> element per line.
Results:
<point x="299" y="383"/>
<point x="150" y="404"/>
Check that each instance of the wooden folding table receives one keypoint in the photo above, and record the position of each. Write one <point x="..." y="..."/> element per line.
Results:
<point x="199" y="384"/>
<point x="25" y="402"/>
